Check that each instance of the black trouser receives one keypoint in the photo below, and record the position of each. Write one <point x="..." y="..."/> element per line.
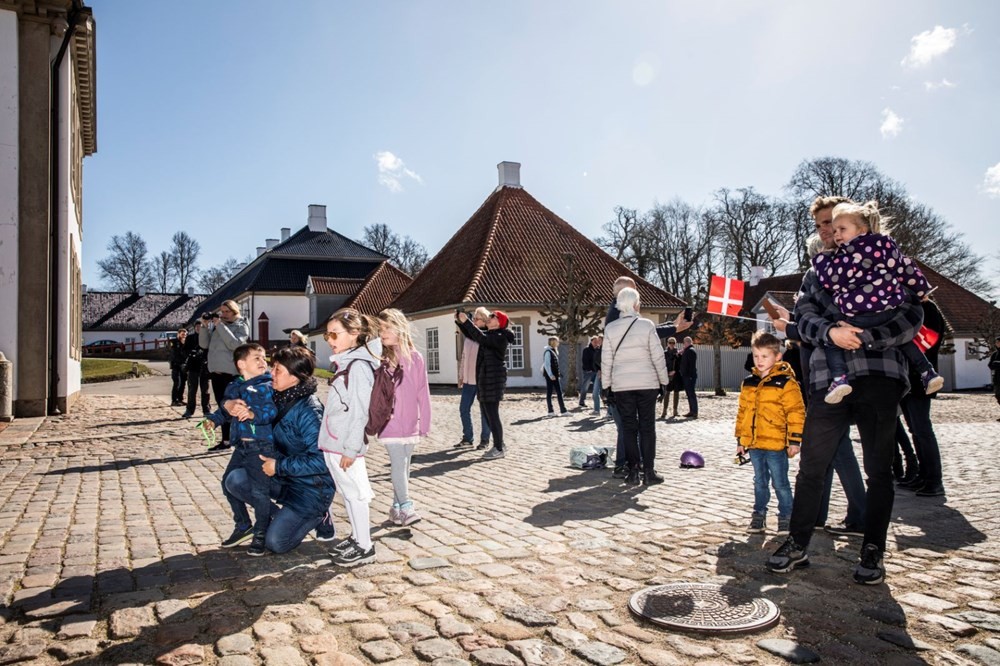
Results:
<point x="872" y="406"/>
<point x="996" y="390"/>
<point x="917" y="412"/>
<point x="689" y="383"/>
<point x="553" y="386"/>
<point x="198" y="380"/>
<point x="491" y="410"/>
<point x="220" y="380"/>
<point x="179" y="380"/>
<point x="638" y="414"/>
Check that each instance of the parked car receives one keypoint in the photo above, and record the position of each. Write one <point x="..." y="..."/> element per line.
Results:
<point x="104" y="347"/>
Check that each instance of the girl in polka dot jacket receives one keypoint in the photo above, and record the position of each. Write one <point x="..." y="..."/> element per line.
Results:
<point x="868" y="276"/>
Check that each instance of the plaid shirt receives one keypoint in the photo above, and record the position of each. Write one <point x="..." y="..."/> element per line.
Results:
<point x="879" y="356"/>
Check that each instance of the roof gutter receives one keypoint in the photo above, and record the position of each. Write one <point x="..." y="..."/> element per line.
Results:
<point x="54" y="291"/>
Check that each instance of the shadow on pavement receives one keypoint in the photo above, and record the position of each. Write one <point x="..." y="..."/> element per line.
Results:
<point x="944" y="528"/>
<point x="601" y="497"/>
<point x="133" y="462"/>
<point x="180" y="600"/>
<point x="173" y="418"/>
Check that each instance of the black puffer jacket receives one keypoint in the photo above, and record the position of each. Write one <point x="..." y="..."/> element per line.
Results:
<point x="491" y="365"/>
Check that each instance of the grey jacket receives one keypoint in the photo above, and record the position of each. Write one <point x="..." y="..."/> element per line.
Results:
<point x="220" y="340"/>
<point x="346" y="412"/>
<point x="638" y="363"/>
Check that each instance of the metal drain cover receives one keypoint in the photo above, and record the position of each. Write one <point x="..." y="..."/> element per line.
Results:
<point x="703" y="607"/>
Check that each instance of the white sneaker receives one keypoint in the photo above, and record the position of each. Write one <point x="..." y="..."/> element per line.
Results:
<point x="493" y="454"/>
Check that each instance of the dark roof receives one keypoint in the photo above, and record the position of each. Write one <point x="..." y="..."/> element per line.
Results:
<point x="330" y="244"/>
<point x="786" y="299"/>
<point x="123" y="311"/>
<point x="380" y="289"/>
<point x="961" y="308"/>
<point x="510" y="252"/>
<point x="283" y="274"/>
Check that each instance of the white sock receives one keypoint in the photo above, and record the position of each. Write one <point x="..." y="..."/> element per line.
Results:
<point x="358" y="513"/>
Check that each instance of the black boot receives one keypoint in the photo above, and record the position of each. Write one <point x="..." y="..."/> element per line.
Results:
<point x="912" y="469"/>
<point x="620" y="472"/>
<point x="651" y="478"/>
<point x="633" y="478"/>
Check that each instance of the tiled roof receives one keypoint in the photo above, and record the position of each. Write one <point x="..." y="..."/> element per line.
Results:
<point x="510" y="252"/>
<point x="380" y="289"/>
<point x="330" y="244"/>
<point x="961" y="308"/>
<point x="122" y="311"/>
<point x="285" y="274"/>
<point x="324" y="286"/>
<point x="786" y="299"/>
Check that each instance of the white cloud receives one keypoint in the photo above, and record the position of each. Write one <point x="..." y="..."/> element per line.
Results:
<point x="392" y="171"/>
<point x="930" y="86"/>
<point x="991" y="182"/>
<point x="892" y="124"/>
<point x="929" y="45"/>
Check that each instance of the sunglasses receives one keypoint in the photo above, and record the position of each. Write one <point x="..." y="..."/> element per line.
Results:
<point x="332" y="335"/>
<point x="493" y="316"/>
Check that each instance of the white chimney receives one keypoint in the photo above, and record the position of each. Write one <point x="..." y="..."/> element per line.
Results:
<point x="285" y="233"/>
<point x="756" y="275"/>
<point x="317" y="217"/>
<point x="261" y="250"/>
<point x="84" y="288"/>
<point x="142" y="291"/>
<point x="271" y="242"/>
<point x="510" y="174"/>
<point x="190" y="290"/>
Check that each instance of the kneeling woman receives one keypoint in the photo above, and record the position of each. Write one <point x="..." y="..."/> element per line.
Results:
<point x="302" y="484"/>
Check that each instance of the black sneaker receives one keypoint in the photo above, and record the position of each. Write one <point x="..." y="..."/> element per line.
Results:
<point x="482" y="445"/>
<point x="354" y="556"/>
<point x="325" y="530"/>
<point x="931" y="490"/>
<point x="620" y="472"/>
<point x="187" y="415"/>
<point x="256" y="548"/>
<point x="787" y="557"/>
<point x="843" y="529"/>
<point x="869" y="570"/>
<point x="633" y="478"/>
<point x="756" y="524"/>
<point x="341" y="547"/>
<point x="237" y="537"/>
<point x="651" y="478"/>
<point x="464" y="442"/>
<point x="221" y="446"/>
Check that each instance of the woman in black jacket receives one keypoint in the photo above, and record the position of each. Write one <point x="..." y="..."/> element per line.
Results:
<point x="491" y="370"/>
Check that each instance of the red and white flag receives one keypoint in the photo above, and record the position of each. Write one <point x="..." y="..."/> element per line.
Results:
<point x="926" y="338"/>
<point x="725" y="296"/>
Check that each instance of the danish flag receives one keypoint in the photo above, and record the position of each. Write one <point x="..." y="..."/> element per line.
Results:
<point x="926" y="338"/>
<point x="725" y="296"/>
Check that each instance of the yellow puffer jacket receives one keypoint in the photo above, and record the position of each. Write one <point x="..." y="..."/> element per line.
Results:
<point x="771" y="410"/>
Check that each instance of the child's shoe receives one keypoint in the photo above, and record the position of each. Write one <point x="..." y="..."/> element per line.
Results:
<point x="394" y="517"/>
<point x="784" y="522"/>
<point x="756" y="524"/>
<point x="932" y="381"/>
<point x="408" y="515"/>
<point x="839" y="389"/>
<point x="256" y="548"/>
<point x="325" y="530"/>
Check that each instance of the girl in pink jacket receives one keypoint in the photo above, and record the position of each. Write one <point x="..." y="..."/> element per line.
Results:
<point x="411" y="415"/>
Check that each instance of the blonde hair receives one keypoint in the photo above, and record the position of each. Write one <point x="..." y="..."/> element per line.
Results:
<point x="232" y="305"/>
<point x="553" y="338"/>
<point x="671" y="341"/>
<point x="297" y="336"/>
<point x="404" y="331"/>
<point x="482" y="313"/>
<point x="765" y="340"/>
<point x="866" y="214"/>
<point x="354" y="322"/>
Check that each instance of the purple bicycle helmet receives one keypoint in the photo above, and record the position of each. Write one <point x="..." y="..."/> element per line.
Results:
<point x="692" y="460"/>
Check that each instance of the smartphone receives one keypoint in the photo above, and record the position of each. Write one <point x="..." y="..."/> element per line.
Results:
<point x="688" y="314"/>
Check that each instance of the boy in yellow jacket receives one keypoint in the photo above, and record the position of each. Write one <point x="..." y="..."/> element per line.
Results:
<point x="769" y="426"/>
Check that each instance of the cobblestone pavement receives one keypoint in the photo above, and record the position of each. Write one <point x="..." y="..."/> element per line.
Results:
<point x="111" y="518"/>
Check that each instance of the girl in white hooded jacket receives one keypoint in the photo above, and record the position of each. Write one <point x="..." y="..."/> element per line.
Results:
<point x="354" y="340"/>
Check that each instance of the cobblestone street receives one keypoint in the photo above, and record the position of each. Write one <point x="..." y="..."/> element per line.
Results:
<point x="111" y="519"/>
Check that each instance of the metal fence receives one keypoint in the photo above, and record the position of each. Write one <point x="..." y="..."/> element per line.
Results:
<point x="732" y="367"/>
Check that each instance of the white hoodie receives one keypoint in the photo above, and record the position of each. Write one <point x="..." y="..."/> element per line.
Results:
<point x="345" y="414"/>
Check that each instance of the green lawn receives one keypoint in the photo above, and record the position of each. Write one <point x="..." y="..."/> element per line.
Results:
<point x="322" y="374"/>
<point x="108" y="370"/>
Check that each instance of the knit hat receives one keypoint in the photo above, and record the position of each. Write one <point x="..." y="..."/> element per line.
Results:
<point x="501" y="318"/>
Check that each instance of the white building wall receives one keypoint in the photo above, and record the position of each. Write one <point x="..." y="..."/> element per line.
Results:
<point x="8" y="185"/>
<point x="68" y="235"/>
<point x="970" y="372"/>
<point x="283" y="311"/>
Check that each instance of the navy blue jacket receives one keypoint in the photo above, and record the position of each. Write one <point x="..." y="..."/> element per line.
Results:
<point x="258" y="395"/>
<point x="306" y="485"/>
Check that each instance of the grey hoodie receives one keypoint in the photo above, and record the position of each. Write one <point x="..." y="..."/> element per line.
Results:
<point x="346" y="412"/>
<point x="220" y="340"/>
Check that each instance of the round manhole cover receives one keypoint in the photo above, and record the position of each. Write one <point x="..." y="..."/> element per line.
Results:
<point x="703" y="607"/>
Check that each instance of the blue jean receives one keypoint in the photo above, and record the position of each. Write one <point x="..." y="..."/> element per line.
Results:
<point x="465" y="411"/>
<point x="586" y="376"/>
<point x="258" y="488"/>
<point x="287" y="528"/>
<point x="845" y="463"/>
<point x="597" y="392"/>
<point x="771" y="468"/>
<point x="620" y="457"/>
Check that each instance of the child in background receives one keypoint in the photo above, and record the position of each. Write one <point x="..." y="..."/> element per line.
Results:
<point x="353" y="338"/>
<point x="252" y="436"/>
<point x="868" y="277"/>
<point x="411" y="414"/>
<point x="769" y="425"/>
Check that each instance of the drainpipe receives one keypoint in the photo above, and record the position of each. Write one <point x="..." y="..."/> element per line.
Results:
<point x="54" y="210"/>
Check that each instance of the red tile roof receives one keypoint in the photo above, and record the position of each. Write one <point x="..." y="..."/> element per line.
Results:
<point x="328" y="286"/>
<point x="510" y="252"/>
<point x="381" y="288"/>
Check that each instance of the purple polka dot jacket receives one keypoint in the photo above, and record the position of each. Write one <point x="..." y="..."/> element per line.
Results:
<point x="868" y="274"/>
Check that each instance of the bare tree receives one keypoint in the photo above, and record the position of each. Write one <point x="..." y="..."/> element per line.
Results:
<point x="163" y="271"/>
<point x="404" y="253"/>
<point x="216" y="276"/>
<point x="682" y="240"/>
<point x="127" y="268"/>
<point x="751" y="231"/>
<point x="573" y="315"/>
<point x="627" y="239"/>
<point x="987" y="330"/>
<point x="184" y="252"/>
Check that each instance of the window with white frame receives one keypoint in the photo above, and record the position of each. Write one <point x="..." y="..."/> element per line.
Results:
<point x="515" y="350"/>
<point x="433" y="351"/>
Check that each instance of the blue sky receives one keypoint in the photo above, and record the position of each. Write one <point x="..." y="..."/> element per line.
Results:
<point x="227" y="119"/>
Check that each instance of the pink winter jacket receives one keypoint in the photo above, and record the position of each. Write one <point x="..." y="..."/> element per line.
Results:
<point x="411" y="414"/>
<point x="467" y="366"/>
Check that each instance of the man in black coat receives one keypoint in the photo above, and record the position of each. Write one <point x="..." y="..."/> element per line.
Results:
<point x="587" y="364"/>
<point x="196" y="372"/>
<point x="689" y="375"/>
<point x="995" y="367"/>
<point x="178" y="354"/>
